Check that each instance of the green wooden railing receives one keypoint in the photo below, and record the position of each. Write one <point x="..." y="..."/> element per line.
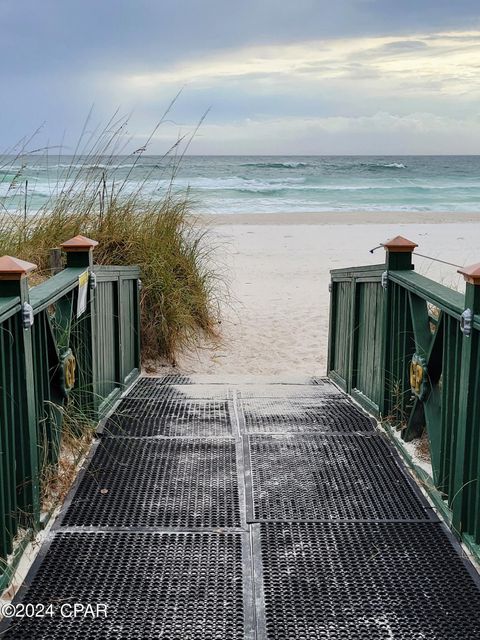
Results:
<point x="73" y="339"/>
<point x="408" y="350"/>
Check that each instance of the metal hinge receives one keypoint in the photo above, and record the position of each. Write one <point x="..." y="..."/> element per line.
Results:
<point x="385" y="279"/>
<point x="466" y="322"/>
<point x="139" y="284"/>
<point x="93" y="281"/>
<point x="27" y="315"/>
<point x="330" y="287"/>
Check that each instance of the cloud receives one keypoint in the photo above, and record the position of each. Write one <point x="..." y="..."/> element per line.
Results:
<point x="332" y="66"/>
<point x="51" y="37"/>
<point x="405" y="46"/>
<point x="381" y="133"/>
<point x="439" y="57"/>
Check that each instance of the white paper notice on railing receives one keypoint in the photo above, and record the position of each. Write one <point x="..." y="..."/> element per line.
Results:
<point x="82" y="293"/>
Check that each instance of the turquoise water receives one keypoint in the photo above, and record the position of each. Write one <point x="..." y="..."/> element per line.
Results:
<point x="263" y="184"/>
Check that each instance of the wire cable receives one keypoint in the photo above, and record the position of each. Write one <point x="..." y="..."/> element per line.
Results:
<point x="451" y="264"/>
<point x="421" y="255"/>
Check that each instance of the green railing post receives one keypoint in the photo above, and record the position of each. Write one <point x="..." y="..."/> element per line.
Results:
<point x="137" y="315"/>
<point x="398" y="257"/>
<point x="466" y="481"/>
<point x="399" y="253"/>
<point x="79" y="252"/>
<point x="24" y="457"/>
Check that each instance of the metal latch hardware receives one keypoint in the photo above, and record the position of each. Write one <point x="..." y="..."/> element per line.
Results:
<point x="385" y="279"/>
<point x="466" y="322"/>
<point x="27" y="315"/>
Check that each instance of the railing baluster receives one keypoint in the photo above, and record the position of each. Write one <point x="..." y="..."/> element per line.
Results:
<point x="26" y="502"/>
<point x="466" y="485"/>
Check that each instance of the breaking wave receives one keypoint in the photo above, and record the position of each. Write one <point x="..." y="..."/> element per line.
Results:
<point x="276" y="165"/>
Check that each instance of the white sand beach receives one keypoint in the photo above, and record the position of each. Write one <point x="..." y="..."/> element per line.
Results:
<point x="278" y="270"/>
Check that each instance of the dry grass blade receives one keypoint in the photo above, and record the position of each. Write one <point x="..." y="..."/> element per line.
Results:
<point x="180" y="296"/>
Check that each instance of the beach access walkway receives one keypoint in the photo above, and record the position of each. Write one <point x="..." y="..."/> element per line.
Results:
<point x="237" y="509"/>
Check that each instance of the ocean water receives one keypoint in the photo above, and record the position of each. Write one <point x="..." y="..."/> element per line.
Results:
<point x="261" y="184"/>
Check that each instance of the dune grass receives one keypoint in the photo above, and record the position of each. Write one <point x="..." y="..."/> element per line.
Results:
<point x="181" y="288"/>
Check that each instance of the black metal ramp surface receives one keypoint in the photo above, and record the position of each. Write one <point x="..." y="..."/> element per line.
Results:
<point x="319" y="477"/>
<point x="170" y="416"/>
<point x="365" y="581"/>
<point x="228" y="510"/>
<point x="149" y="482"/>
<point x="182" y="586"/>
<point x="322" y="413"/>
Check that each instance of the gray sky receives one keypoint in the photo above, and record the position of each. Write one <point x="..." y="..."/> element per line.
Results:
<point x="303" y="76"/>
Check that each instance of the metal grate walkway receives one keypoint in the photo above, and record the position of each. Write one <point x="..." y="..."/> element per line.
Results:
<point x="236" y="511"/>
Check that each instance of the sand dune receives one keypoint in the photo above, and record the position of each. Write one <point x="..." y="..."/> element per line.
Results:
<point x="277" y="322"/>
